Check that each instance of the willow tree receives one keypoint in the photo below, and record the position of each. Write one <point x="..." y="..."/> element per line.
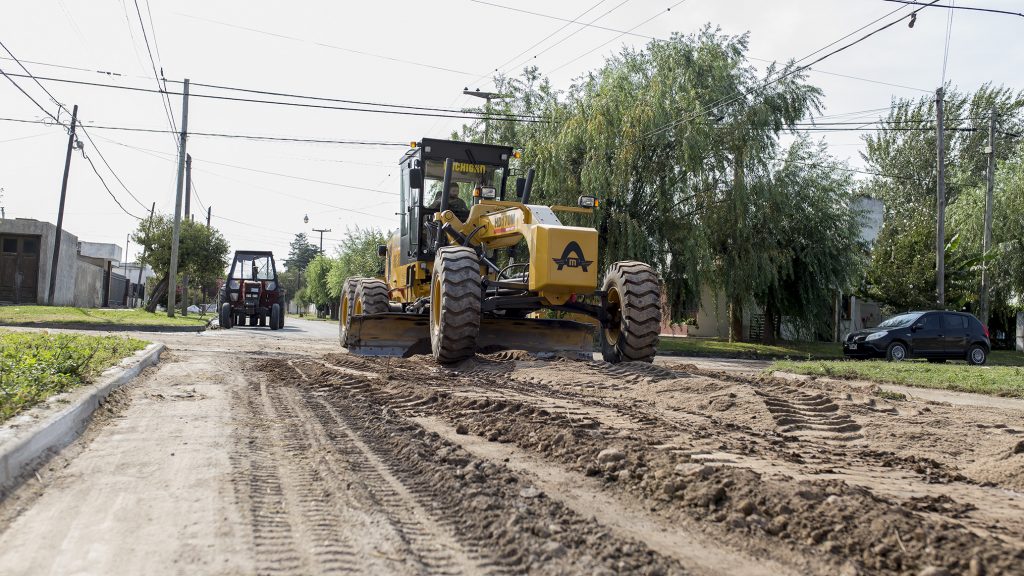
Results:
<point x="668" y="137"/>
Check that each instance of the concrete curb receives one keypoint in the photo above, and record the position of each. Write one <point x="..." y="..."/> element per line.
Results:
<point x="106" y="327"/>
<point x="27" y="445"/>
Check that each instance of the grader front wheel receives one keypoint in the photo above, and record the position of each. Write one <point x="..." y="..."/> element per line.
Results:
<point x="455" y="299"/>
<point x="360" y="296"/>
<point x="634" y="310"/>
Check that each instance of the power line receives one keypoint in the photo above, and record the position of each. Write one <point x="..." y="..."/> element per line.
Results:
<point x="343" y="101"/>
<point x="331" y="46"/>
<point x="945" y="51"/>
<point x="291" y="104"/>
<point x="165" y="100"/>
<point x="741" y="93"/>
<point x="617" y="37"/>
<point x="541" y="41"/>
<point x="577" y="31"/>
<point x="226" y="135"/>
<point x="84" y="131"/>
<point x="107" y="188"/>
<point x="955" y="7"/>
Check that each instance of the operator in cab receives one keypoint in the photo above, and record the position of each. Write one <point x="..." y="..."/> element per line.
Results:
<point x="456" y="204"/>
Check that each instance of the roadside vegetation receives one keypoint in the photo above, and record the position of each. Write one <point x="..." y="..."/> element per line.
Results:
<point x="35" y="366"/>
<point x="724" y="349"/>
<point x="22" y="315"/>
<point x="1004" y="376"/>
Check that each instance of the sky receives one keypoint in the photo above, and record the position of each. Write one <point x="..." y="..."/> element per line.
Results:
<point x="404" y="53"/>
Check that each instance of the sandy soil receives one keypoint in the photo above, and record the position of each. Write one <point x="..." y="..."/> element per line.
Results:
<point x="291" y="457"/>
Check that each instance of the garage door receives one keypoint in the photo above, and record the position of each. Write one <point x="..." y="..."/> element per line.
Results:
<point x="19" y="269"/>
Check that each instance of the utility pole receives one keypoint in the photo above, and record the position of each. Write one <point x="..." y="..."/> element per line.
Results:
<point x="321" y="237"/>
<point x="940" y="204"/>
<point x="188" y="186"/>
<point x="209" y="212"/>
<point x="188" y="216"/>
<point x="149" y="229"/>
<point x="987" y="238"/>
<point x="60" y="211"/>
<point x="172" y="277"/>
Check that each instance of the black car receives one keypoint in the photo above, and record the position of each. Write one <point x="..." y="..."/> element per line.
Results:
<point x="935" y="335"/>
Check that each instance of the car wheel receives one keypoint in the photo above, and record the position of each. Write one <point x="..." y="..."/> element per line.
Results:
<point x="977" y="355"/>
<point x="896" y="352"/>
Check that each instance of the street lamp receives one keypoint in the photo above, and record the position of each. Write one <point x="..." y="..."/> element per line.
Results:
<point x="488" y="96"/>
<point x="305" y="219"/>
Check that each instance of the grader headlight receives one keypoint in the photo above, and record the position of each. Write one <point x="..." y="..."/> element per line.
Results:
<point x="587" y="202"/>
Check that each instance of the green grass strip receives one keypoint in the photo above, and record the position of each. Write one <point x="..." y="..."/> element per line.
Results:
<point x="35" y="366"/>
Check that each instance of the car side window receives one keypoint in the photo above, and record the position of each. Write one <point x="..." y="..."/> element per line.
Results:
<point x="929" y="322"/>
<point x="953" y="323"/>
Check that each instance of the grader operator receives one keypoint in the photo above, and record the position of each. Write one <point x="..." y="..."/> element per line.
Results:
<point x="444" y="292"/>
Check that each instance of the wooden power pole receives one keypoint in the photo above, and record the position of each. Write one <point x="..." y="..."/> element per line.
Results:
<point x="60" y="211"/>
<point x="987" y="238"/>
<point x="940" y="205"/>
<point x="172" y="275"/>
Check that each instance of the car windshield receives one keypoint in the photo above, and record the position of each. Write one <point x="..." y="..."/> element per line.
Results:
<point x="900" y="321"/>
<point x="252" y="267"/>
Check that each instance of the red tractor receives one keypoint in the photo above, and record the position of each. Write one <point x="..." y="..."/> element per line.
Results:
<point x="252" y="291"/>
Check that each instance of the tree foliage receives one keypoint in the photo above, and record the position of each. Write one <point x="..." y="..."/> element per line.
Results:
<point x="202" y="252"/>
<point x="356" y="255"/>
<point x="903" y="152"/>
<point x="300" y="252"/>
<point x="680" y="140"/>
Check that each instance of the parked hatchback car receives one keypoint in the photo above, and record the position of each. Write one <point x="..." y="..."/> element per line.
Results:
<point x="936" y="335"/>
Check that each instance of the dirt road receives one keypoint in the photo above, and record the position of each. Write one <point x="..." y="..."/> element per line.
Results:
<point x="249" y="451"/>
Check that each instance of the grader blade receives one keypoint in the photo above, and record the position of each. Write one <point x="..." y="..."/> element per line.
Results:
<point x="396" y="334"/>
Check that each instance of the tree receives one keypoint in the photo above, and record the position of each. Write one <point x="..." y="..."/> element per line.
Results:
<point x="315" y="290"/>
<point x="202" y="252"/>
<point x="355" y="256"/>
<point x="300" y="253"/>
<point x="671" y="139"/>
<point x="810" y="235"/>
<point x="902" y="152"/>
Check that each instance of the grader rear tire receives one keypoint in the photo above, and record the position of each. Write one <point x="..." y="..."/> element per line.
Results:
<point x="455" y="298"/>
<point x="634" y="307"/>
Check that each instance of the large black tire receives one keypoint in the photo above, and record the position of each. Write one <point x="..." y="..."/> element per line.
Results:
<point x="280" y="323"/>
<point x="345" y="305"/>
<point x="896" y="352"/>
<point x="977" y="355"/>
<point x="225" y="315"/>
<point x="371" y="297"/>
<point x="634" y="309"/>
<point x="275" y="316"/>
<point x="455" y="298"/>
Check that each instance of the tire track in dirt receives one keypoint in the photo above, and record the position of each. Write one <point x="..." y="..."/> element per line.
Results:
<point x="809" y="416"/>
<point x="501" y="406"/>
<point x="505" y="526"/>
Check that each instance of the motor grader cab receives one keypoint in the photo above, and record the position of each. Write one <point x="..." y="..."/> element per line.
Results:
<point x="252" y="292"/>
<point x="451" y="285"/>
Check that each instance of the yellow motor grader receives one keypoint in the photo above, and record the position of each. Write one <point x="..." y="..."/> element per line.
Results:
<point x="444" y="292"/>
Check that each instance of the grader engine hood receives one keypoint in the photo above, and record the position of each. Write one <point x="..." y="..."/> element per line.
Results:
<point x="566" y="262"/>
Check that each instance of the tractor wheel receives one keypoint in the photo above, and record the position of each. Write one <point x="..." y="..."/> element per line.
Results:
<point x="348" y="296"/>
<point x="225" y="315"/>
<point x="275" y="316"/>
<point x="261" y="320"/>
<point x="455" y="298"/>
<point x="280" y="323"/>
<point x="240" y="319"/>
<point x="634" y="313"/>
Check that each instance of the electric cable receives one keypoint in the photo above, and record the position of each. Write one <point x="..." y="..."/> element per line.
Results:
<point x="280" y="103"/>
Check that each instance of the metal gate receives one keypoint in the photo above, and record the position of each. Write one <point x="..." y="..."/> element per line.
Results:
<point x="117" y="295"/>
<point x="19" y="268"/>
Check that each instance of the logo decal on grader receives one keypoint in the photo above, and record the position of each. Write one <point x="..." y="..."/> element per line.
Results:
<point x="573" y="257"/>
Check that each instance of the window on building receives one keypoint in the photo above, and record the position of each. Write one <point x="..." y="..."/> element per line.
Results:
<point x="11" y="245"/>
